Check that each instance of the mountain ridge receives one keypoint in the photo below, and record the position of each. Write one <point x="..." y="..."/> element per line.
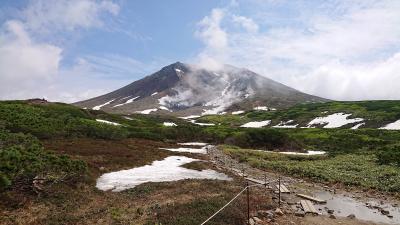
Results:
<point x="183" y="89"/>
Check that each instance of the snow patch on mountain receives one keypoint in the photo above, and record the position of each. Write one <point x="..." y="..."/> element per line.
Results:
<point x="127" y="102"/>
<point x="334" y="120"/>
<point x="169" y="124"/>
<point x="147" y="111"/>
<point x="392" y="126"/>
<point x="98" y="107"/>
<point x="108" y="122"/>
<point x="256" y="124"/>
<point x="237" y="112"/>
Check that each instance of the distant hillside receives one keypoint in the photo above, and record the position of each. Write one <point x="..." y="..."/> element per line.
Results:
<point x="360" y="114"/>
<point x="182" y="89"/>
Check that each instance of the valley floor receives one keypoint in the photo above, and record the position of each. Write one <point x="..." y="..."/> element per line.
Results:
<point x="179" y="202"/>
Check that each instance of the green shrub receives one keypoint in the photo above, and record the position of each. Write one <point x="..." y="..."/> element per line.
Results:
<point x="389" y="156"/>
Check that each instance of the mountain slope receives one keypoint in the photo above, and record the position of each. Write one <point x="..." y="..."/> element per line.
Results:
<point x="183" y="89"/>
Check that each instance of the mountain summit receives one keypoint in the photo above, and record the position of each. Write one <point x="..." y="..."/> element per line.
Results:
<point x="183" y="89"/>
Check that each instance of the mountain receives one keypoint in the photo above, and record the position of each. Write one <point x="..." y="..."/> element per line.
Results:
<point x="182" y="89"/>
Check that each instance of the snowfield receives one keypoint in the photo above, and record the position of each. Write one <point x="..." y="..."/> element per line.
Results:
<point x="237" y="112"/>
<point x="98" y="107"/>
<point x="286" y="124"/>
<point x="194" y="143"/>
<point x="154" y="93"/>
<point x="169" y="124"/>
<point x="108" y="122"/>
<point x="334" y="120"/>
<point x="392" y="126"/>
<point x="147" y="111"/>
<point x="168" y="169"/>
<point x="256" y="124"/>
<point x="202" y="150"/>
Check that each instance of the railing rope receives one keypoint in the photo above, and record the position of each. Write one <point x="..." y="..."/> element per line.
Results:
<point x="223" y="207"/>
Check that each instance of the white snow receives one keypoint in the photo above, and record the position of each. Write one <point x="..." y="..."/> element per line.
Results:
<point x="247" y="95"/>
<point x="108" y="122"/>
<point x="169" y="124"/>
<point x="194" y="143"/>
<point x="392" y="126"/>
<point x="168" y="169"/>
<point x="164" y="108"/>
<point x="202" y="124"/>
<point x="178" y="70"/>
<point x="257" y="124"/>
<point x="264" y="108"/>
<point x="128" y="118"/>
<point x="154" y="93"/>
<point x="296" y="153"/>
<point x="127" y="102"/>
<point x="98" y="107"/>
<point x="334" y="120"/>
<point x="355" y="127"/>
<point x="147" y="111"/>
<point x="237" y="112"/>
<point x="190" y="117"/>
<point x="202" y="150"/>
<point x="286" y="124"/>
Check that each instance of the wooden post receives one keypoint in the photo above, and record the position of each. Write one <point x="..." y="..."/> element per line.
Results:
<point x="248" y="203"/>
<point x="279" y="191"/>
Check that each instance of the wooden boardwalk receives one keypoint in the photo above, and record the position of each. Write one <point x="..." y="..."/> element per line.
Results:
<point x="317" y="200"/>
<point x="283" y="189"/>
<point x="308" y="207"/>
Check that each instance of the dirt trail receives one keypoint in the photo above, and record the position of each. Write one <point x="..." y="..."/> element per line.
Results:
<point x="341" y="204"/>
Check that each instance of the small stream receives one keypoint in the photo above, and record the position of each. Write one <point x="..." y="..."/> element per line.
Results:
<point x="345" y="205"/>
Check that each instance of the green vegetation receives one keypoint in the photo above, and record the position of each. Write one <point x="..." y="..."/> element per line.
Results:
<point x="355" y="169"/>
<point x="376" y="113"/>
<point x="22" y="158"/>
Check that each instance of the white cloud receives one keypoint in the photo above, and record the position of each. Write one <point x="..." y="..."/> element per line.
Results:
<point x="340" y="50"/>
<point x="246" y="23"/>
<point x="31" y="67"/>
<point x="49" y="15"/>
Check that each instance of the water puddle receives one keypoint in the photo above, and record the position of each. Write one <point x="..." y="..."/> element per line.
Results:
<point x="345" y="205"/>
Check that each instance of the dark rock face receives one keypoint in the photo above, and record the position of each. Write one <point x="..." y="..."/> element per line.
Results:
<point x="182" y="89"/>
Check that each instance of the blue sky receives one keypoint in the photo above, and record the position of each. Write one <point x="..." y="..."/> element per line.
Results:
<point x="68" y="50"/>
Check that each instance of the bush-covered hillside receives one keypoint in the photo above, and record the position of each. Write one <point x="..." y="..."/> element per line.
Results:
<point x="375" y="113"/>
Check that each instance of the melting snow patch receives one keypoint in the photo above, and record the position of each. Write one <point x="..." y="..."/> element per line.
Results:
<point x="169" y="124"/>
<point x="98" y="107"/>
<point x="108" y="122"/>
<point x="147" y="111"/>
<point x="202" y="150"/>
<point x="127" y="102"/>
<point x="154" y="93"/>
<point x="202" y="124"/>
<point x="357" y="126"/>
<point x="168" y="169"/>
<point x="392" y="126"/>
<point x="264" y="108"/>
<point x="193" y="143"/>
<point x="334" y="121"/>
<point x="178" y="70"/>
<point x="164" y="108"/>
<point x="257" y="124"/>
<point x="237" y="112"/>
<point x="296" y="153"/>
<point x="190" y="117"/>
<point x="286" y="124"/>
